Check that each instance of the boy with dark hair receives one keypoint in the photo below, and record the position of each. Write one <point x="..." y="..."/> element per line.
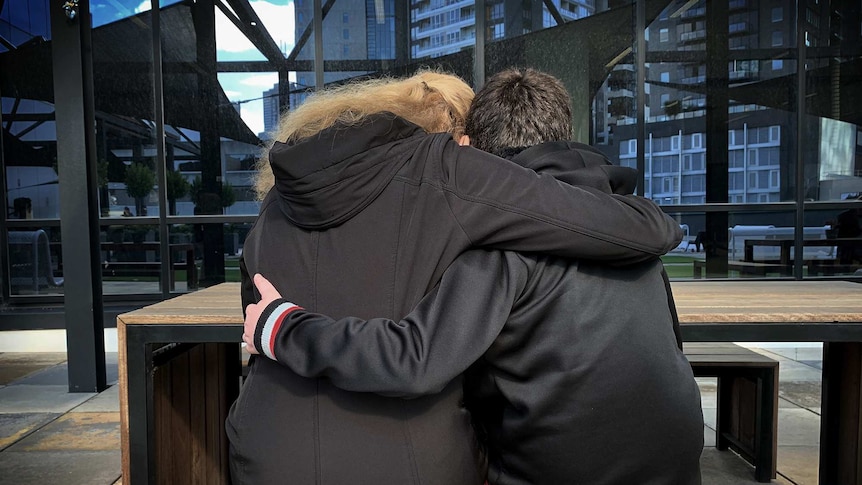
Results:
<point x="576" y="375"/>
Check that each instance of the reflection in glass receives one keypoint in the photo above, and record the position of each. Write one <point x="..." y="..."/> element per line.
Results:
<point x="130" y="259"/>
<point x="35" y="261"/>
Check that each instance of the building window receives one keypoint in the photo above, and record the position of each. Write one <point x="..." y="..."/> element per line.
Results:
<point x="345" y="34"/>
<point x="696" y="140"/>
<point x="775" y="133"/>
<point x="664" y="77"/>
<point x="663" y="35"/>
<point x="778" y="38"/>
<point x="735" y="159"/>
<point x="777" y="14"/>
<point x="674" y="143"/>
<point x="345" y="18"/>
<point x="752" y="157"/>
<point x="777" y="64"/>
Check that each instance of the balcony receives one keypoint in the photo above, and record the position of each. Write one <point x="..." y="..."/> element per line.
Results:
<point x="693" y="36"/>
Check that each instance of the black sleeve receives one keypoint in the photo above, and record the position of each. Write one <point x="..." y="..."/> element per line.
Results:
<point x="450" y="328"/>
<point x="503" y="205"/>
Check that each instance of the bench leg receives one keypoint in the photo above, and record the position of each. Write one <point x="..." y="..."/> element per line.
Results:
<point x="767" y="421"/>
<point x="739" y="395"/>
<point x="724" y="413"/>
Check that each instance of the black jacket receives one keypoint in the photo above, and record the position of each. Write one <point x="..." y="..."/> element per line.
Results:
<point x="584" y="384"/>
<point x="363" y="221"/>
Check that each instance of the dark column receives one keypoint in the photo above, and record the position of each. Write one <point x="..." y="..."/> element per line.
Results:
<point x="79" y="203"/>
<point x="402" y="33"/>
<point x="210" y="198"/>
<point x="4" y="254"/>
<point x="717" y="94"/>
<point x="479" y="49"/>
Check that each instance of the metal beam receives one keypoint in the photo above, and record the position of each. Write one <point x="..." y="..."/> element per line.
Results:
<point x="554" y="12"/>
<point x="251" y="25"/>
<point x="300" y="42"/>
<point x="79" y="205"/>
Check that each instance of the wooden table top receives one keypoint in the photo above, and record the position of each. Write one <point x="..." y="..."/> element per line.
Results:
<point x="697" y="302"/>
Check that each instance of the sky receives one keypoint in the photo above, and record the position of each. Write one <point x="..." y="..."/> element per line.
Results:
<point x="231" y="45"/>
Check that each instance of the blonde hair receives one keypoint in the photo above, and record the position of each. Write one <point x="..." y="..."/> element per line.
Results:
<point x="435" y="101"/>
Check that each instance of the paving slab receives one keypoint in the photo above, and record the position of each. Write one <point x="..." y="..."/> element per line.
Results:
<point x="799" y="463"/>
<point x="798" y="427"/>
<point x="104" y="402"/>
<point x="59" y="468"/>
<point x="40" y="399"/>
<point x="806" y="394"/>
<point x="32" y="358"/>
<point x="725" y="468"/>
<point x="75" y="432"/>
<point x="14" y="427"/>
<point x="55" y="375"/>
<point x="12" y="373"/>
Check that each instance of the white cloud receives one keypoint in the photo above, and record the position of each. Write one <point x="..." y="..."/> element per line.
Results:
<point x="252" y="114"/>
<point x="233" y="95"/>
<point x="263" y="80"/>
<point x="143" y="7"/>
<point x="277" y="19"/>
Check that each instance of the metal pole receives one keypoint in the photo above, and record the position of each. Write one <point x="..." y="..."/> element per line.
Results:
<point x="79" y="204"/>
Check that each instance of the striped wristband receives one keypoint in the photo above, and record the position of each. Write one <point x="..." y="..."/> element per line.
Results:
<point x="270" y="321"/>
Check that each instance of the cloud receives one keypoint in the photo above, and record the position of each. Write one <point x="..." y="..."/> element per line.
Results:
<point x="143" y="7"/>
<point x="263" y="80"/>
<point x="232" y="95"/>
<point x="252" y="114"/>
<point x="277" y="19"/>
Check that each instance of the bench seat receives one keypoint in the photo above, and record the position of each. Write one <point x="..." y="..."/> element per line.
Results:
<point x="747" y="401"/>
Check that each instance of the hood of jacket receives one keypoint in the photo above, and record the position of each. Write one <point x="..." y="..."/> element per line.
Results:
<point x="577" y="164"/>
<point x="326" y="179"/>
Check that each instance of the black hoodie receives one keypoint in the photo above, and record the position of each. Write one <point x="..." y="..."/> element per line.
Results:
<point x="363" y="221"/>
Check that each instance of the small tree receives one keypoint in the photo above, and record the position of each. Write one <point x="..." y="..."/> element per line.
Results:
<point x="177" y="188"/>
<point x="672" y="108"/>
<point x="139" y="183"/>
<point x="227" y="196"/>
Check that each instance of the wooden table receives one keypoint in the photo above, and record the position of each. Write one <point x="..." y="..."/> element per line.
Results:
<point x="174" y="398"/>
<point x="717" y="311"/>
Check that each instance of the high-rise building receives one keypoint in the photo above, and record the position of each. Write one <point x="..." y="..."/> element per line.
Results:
<point x="353" y="30"/>
<point x="271" y="109"/>
<point x="440" y="27"/>
<point x="760" y="168"/>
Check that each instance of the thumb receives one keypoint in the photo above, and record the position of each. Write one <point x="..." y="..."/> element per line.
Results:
<point x="267" y="291"/>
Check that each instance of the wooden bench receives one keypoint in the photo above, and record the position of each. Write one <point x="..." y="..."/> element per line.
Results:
<point x="150" y="268"/>
<point x="746" y="401"/>
<point x="745" y="268"/>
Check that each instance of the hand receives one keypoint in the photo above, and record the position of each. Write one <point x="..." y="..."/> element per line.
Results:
<point x="268" y="294"/>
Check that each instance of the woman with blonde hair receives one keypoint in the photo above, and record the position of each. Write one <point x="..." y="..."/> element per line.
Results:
<point x="367" y="198"/>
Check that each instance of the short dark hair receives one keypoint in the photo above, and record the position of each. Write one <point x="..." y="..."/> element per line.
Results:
<point x="519" y="108"/>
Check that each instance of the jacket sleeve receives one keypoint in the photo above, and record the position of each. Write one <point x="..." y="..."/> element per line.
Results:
<point x="503" y="205"/>
<point x="450" y="329"/>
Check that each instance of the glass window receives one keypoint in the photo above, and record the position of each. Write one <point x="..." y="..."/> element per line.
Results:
<point x="777" y="14"/>
<point x="778" y="38"/>
<point x="663" y="35"/>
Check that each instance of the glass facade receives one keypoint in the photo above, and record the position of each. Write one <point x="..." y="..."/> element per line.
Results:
<point x="742" y="118"/>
